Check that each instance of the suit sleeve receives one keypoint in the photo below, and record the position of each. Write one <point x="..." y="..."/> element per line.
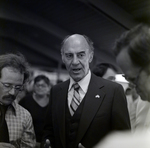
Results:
<point x="120" y="116"/>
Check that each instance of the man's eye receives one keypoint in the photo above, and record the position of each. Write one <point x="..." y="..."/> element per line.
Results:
<point x="81" y="55"/>
<point x="7" y="85"/>
<point x="18" y="87"/>
<point x="69" y="55"/>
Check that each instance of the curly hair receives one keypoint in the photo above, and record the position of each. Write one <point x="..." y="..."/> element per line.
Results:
<point x="16" y="61"/>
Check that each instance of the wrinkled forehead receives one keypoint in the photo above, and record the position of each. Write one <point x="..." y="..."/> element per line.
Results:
<point x="9" y="69"/>
<point x="8" y="74"/>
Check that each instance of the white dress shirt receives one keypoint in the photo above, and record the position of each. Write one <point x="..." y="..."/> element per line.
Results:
<point x="84" y="83"/>
<point x="143" y="115"/>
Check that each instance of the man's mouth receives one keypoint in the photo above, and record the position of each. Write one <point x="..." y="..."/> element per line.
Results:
<point x="76" y="70"/>
<point x="9" y="97"/>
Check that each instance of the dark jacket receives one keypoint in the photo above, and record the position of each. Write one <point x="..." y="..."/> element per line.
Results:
<point x="104" y="110"/>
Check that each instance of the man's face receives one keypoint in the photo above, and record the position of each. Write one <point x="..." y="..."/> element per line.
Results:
<point x="135" y="75"/>
<point x="76" y="55"/>
<point x="10" y="83"/>
<point x="41" y="88"/>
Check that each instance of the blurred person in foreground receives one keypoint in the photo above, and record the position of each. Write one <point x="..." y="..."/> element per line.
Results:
<point x="133" y="56"/>
<point x="36" y="103"/>
<point x="16" y="128"/>
<point x="83" y="109"/>
<point x="105" y="70"/>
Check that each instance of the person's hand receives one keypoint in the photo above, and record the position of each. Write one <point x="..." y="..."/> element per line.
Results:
<point x="80" y="146"/>
<point x="6" y="145"/>
<point x="47" y="144"/>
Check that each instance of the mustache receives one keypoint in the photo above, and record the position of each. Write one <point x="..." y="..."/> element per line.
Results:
<point x="9" y="96"/>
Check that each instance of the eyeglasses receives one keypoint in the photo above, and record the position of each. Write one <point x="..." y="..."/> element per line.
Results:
<point x="41" y="85"/>
<point x="133" y="80"/>
<point x="8" y="87"/>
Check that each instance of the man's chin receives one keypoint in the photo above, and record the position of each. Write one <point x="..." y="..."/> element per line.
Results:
<point x="76" y="79"/>
<point x="8" y="102"/>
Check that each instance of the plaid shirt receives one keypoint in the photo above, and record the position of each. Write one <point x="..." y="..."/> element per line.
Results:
<point x="20" y="126"/>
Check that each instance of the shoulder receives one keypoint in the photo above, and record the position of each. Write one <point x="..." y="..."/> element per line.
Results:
<point x="106" y="85"/>
<point x="61" y="85"/>
<point x="100" y="80"/>
<point x="28" y="97"/>
<point x="22" y="112"/>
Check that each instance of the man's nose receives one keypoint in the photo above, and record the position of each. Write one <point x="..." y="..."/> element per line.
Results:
<point x="75" y="60"/>
<point x="12" y="91"/>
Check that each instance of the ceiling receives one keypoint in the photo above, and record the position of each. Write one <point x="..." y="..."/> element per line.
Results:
<point x="37" y="28"/>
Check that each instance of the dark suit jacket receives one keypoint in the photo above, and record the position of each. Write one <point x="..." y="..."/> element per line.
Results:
<point x="100" y="115"/>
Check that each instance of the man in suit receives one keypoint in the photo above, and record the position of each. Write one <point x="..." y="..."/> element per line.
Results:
<point x="80" y="118"/>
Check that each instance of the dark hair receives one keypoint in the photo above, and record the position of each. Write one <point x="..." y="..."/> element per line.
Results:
<point x="42" y="77"/>
<point x="16" y="61"/>
<point x="137" y="42"/>
<point x="89" y="41"/>
<point x="101" y="68"/>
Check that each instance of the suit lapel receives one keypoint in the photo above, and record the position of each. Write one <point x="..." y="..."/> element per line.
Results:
<point x="93" y="100"/>
<point x="62" y="96"/>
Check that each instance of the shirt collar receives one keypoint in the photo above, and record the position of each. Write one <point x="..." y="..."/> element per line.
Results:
<point x="83" y="83"/>
<point x="13" y="107"/>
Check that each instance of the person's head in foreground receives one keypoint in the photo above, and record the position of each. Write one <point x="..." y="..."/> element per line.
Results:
<point x="13" y="74"/>
<point x="132" y="52"/>
<point x="77" y="53"/>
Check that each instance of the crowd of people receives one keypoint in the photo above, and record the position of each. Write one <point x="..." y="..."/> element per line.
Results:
<point x="89" y="110"/>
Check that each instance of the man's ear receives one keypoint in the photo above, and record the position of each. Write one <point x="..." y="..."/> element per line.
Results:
<point x="91" y="57"/>
<point x="62" y="57"/>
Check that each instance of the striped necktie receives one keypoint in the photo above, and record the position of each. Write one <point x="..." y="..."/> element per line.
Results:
<point x="76" y="99"/>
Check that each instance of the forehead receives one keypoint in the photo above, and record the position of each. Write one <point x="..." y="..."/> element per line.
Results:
<point x="127" y="66"/>
<point x="76" y="43"/>
<point x="8" y="74"/>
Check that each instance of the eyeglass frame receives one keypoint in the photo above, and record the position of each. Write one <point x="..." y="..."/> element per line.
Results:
<point x="41" y="85"/>
<point x="11" y="86"/>
<point x="135" y="79"/>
